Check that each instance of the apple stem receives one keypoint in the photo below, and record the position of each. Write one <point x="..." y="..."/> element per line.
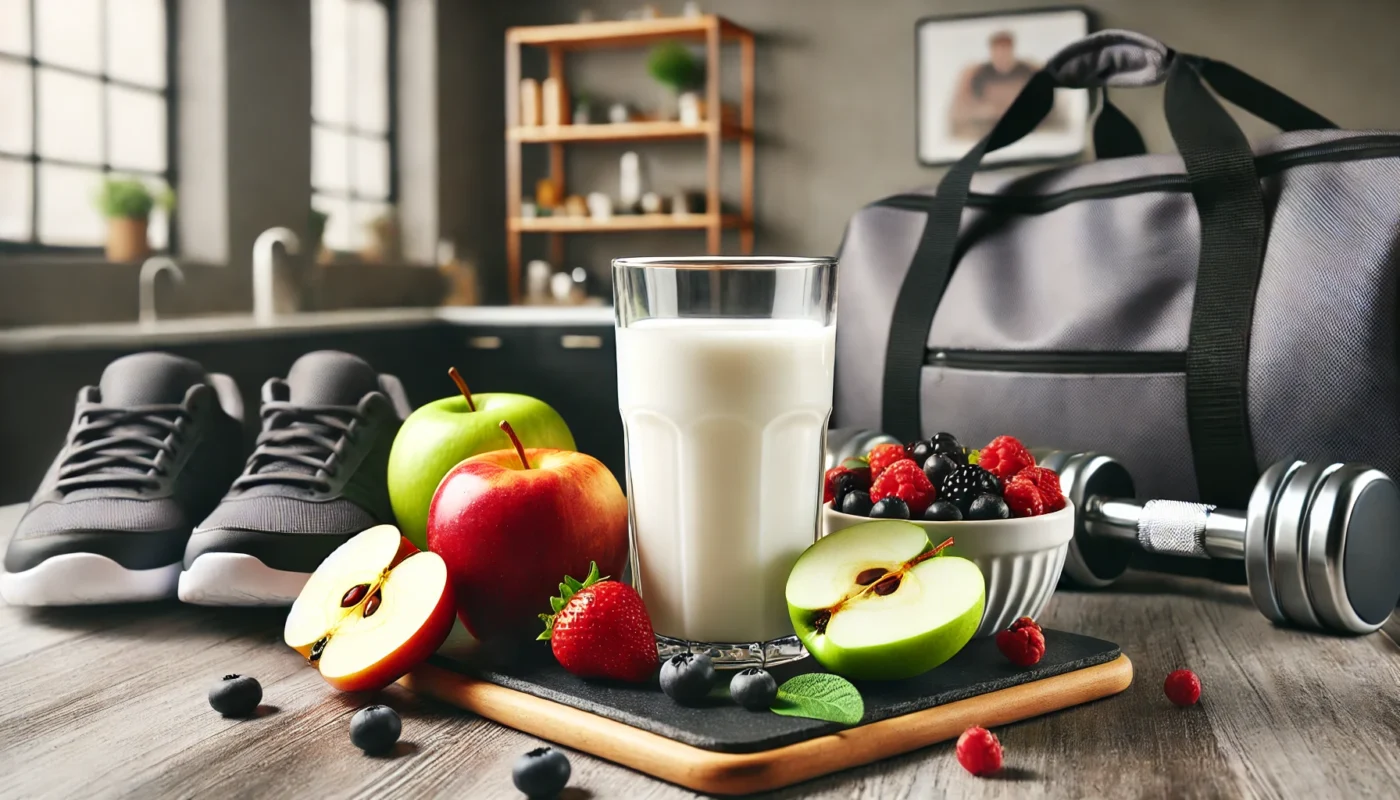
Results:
<point x="461" y="386"/>
<point x="922" y="557"/>
<point x="515" y="440"/>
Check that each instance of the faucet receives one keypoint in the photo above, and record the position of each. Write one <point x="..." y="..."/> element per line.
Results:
<point x="151" y="268"/>
<point x="265" y="286"/>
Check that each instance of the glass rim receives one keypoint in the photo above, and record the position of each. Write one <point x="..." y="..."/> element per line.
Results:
<point x="724" y="262"/>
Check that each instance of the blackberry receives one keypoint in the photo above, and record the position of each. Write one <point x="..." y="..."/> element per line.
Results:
<point x="965" y="483"/>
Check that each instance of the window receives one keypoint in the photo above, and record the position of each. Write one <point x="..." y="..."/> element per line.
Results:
<point x="352" y="113"/>
<point x="84" y="91"/>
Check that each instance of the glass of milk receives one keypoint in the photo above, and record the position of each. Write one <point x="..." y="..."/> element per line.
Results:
<point x="724" y="380"/>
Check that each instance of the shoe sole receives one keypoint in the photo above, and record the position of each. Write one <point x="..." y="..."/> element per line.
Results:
<point x="77" y="579"/>
<point x="238" y="579"/>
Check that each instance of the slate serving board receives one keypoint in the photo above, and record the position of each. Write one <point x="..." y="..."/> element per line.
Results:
<point x="724" y="727"/>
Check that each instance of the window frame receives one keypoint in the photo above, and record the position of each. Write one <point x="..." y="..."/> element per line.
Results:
<point x="34" y="160"/>
<point x="390" y="136"/>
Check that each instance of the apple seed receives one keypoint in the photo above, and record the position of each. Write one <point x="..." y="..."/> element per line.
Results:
<point x="869" y="576"/>
<point x="317" y="649"/>
<point x="354" y="595"/>
<point x="884" y="583"/>
<point x="372" y="604"/>
<point x="887" y="586"/>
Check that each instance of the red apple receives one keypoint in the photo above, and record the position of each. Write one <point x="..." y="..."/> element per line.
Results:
<point x="373" y="610"/>
<point x="512" y="523"/>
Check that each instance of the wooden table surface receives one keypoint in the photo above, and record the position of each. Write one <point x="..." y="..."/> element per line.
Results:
<point x="110" y="701"/>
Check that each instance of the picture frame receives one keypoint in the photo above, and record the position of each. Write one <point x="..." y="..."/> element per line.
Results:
<point x="970" y="67"/>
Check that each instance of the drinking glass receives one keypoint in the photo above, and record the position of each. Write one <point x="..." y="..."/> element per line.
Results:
<point x="724" y="382"/>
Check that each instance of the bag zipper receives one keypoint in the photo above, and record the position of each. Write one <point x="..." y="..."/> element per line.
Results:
<point x="1116" y="362"/>
<point x="1356" y="149"/>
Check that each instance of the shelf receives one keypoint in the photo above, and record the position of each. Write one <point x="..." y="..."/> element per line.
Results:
<point x="621" y="132"/>
<point x="627" y="222"/>
<point x="615" y="33"/>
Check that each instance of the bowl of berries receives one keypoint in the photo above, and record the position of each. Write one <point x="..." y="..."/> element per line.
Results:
<point x="1002" y="512"/>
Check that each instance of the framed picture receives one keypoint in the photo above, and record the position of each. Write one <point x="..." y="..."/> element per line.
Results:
<point x="969" y="70"/>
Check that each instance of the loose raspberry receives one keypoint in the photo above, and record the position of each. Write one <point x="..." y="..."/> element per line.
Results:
<point x="1026" y="622"/>
<point x="883" y="456"/>
<point x="904" y="479"/>
<point x="1022" y="646"/>
<point x="1183" y="687"/>
<point x="1005" y="457"/>
<point x="1048" y="482"/>
<point x="1023" y="498"/>
<point x="829" y="483"/>
<point x="979" y="751"/>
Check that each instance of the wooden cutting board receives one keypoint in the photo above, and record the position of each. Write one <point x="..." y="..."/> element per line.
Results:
<point x="723" y="749"/>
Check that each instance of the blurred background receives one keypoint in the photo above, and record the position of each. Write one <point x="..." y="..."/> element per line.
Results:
<point x="402" y="193"/>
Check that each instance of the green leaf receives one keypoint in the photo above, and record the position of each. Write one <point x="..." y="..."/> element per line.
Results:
<point x="548" y="628"/>
<point x="974" y="457"/>
<point x="572" y="583"/>
<point x="556" y="603"/>
<point x="820" y="695"/>
<point x="856" y="462"/>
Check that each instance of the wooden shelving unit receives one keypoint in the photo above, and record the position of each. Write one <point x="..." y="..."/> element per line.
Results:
<point x="558" y="40"/>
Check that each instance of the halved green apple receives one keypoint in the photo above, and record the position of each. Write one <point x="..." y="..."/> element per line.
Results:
<point x="877" y="601"/>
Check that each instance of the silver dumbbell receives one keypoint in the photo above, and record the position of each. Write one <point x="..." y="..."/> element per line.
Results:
<point x="1320" y="543"/>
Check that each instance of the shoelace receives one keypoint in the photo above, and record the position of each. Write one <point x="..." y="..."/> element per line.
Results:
<point x="122" y="446"/>
<point x="298" y="445"/>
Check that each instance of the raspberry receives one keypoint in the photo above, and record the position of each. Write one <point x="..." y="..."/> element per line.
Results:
<point x="904" y="479"/>
<point x="883" y="456"/>
<point x="979" y="751"/>
<point x="1022" y="646"/>
<point x="829" y="483"/>
<point x="1048" y="482"/>
<point x="1183" y="687"/>
<point x="1023" y="498"/>
<point x="1025" y="622"/>
<point x="1005" y="457"/>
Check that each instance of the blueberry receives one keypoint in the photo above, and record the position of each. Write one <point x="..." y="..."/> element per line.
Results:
<point x="890" y="508"/>
<point x="937" y="467"/>
<point x="942" y="511"/>
<point x="688" y="677"/>
<point x="844" y="484"/>
<point x="920" y="451"/>
<point x="236" y="696"/>
<point x="542" y="772"/>
<point x="754" y="689"/>
<point x="375" y="729"/>
<point x="988" y="506"/>
<point x="856" y="502"/>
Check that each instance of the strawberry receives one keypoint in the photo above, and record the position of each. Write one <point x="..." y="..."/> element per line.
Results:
<point x="600" y="629"/>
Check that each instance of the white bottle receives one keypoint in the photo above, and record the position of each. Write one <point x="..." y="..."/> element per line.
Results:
<point x="630" y="183"/>
<point x="724" y="421"/>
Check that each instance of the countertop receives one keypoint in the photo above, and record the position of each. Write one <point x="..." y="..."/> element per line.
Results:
<point x="110" y="701"/>
<point x="243" y="326"/>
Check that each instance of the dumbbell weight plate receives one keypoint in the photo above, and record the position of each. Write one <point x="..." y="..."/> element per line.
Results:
<point x="1091" y="562"/>
<point x="1353" y="549"/>
<point x="1259" y="537"/>
<point x="1291" y="533"/>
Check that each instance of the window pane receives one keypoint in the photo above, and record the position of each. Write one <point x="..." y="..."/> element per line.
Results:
<point x="14" y="200"/>
<point x="68" y="33"/>
<point x="15" y="126"/>
<point x="69" y="117"/>
<point x="330" y="40"/>
<point x="158" y="226"/>
<point x="136" y="125"/>
<point x="67" y="208"/>
<point x="371" y="167"/>
<point x="370" y="66"/>
<point x="136" y="41"/>
<point x="330" y="160"/>
<point x="337" y="235"/>
<point x="14" y="26"/>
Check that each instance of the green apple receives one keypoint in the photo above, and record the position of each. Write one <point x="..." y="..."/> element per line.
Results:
<point x="877" y="601"/>
<point x="443" y="433"/>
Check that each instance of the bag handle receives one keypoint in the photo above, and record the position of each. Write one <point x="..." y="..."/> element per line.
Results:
<point x="1229" y="202"/>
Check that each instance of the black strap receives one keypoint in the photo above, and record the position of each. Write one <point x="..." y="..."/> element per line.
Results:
<point x="1115" y="136"/>
<point x="1230" y="204"/>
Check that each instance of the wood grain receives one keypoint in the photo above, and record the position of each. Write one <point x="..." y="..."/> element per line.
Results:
<point x="110" y="702"/>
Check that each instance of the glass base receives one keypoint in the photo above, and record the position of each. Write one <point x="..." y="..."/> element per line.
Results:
<point x="737" y="655"/>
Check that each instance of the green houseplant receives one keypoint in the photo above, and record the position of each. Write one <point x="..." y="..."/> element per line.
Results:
<point x="126" y="203"/>
<point x="674" y="66"/>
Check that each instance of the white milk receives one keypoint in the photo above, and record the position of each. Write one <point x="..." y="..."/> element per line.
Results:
<point x="725" y="420"/>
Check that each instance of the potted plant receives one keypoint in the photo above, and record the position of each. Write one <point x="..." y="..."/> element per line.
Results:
<point x="675" y="67"/>
<point x="316" y="233"/>
<point x="127" y="204"/>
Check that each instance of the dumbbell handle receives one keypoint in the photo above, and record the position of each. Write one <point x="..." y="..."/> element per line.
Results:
<point x="1170" y="527"/>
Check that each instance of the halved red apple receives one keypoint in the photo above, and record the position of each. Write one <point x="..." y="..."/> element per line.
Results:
<point x="373" y="610"/>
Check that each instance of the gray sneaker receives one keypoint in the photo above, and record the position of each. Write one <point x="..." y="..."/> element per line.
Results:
<point x="150" y="450"/>
<point x="316" y="478"/>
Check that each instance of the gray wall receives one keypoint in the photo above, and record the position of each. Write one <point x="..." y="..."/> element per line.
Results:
<point x="836" y="87"/>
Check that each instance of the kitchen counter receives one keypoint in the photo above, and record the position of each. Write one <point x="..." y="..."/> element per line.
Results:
<point x="110" y="701"/>
<point x="229" y="327"/>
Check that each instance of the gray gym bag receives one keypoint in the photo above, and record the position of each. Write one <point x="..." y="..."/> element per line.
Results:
<point x="1198" y="316"/>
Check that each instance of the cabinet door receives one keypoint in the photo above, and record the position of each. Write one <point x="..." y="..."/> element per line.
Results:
<point x="577" y="370"/>
<point x="496" y="358"/>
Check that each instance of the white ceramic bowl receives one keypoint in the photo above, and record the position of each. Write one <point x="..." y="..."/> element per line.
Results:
<point x="1020" y="559"/>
